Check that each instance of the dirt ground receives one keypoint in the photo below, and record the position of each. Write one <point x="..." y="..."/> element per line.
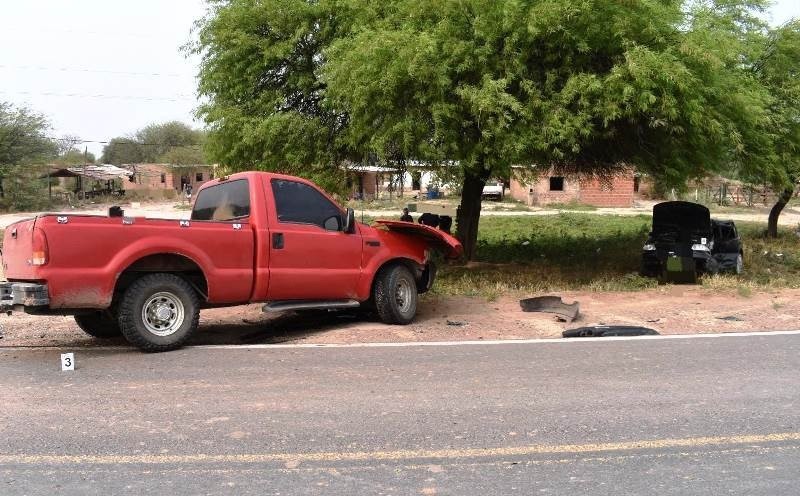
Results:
<point x="669" y="310"/>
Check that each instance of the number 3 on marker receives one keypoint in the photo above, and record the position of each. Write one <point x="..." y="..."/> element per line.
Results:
<point x="67" y="361"/>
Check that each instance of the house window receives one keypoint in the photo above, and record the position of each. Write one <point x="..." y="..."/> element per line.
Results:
<point x="198" y="176"/>
<point x="163" y="178"/>
<point x="556" y="184"/>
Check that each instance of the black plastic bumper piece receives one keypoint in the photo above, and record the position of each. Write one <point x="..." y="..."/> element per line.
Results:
<point x="22" y="294"/>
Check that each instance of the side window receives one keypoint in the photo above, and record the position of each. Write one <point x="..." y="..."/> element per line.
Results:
<point x="225" y="201"/>
<point x="300" y="203"/>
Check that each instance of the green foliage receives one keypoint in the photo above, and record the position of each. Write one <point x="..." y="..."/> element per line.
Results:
<point x="777" y="67"/>
<point x="73" y="157"/>
<point x="23" y="142"/>
<point x="493" y="83"/>
<point x="25" y="190"/>
<point x="169" y="142"/>
<point x="259" y="71"/>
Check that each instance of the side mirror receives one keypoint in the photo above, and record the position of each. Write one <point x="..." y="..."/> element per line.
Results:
<point x="349" y="224"/>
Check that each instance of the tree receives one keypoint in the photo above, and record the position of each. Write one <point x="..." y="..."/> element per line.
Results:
<point x="483" y="84"/>
<point x="260" y="74"/>
<point x="74" y="157"/>
<point x="157" y="143"/>
<point x="777" y="66"/>
<point x="68" y="152"/>
<point x="494" y="83"/>
<point x="23" y="141"/>
<point x="122" y="150"/>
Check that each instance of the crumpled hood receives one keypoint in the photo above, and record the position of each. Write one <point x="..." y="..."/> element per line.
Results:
<point x="449" y="245"/>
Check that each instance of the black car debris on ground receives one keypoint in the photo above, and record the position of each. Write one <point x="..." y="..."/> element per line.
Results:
<point x="686" y="241"/>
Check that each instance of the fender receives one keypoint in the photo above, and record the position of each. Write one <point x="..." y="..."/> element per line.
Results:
<point x="403" y="242"/>
<point x="152" y="245"/>
<point x="438" y="239"/>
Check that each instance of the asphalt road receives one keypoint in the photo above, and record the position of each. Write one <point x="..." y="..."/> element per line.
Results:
<point x="677" y="416"/>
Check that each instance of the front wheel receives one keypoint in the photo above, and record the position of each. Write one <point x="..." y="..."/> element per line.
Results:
<point x="159" y="312"/>
<point x="395" y="295"/>
<point x="739" y="268"/>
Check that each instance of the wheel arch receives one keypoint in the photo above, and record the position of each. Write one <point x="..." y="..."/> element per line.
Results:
<point x="173" y="263"/>
<point x="417" y="269"/>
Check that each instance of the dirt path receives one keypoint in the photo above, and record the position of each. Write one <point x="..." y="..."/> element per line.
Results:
<point x="672" y="310"/>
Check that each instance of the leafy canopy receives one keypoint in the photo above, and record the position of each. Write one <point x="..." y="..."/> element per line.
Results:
<point x="580" y="85"/>
<point x="169" y="142"/>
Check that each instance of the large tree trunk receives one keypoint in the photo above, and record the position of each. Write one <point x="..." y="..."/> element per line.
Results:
<point x="469" y="212"/>
<point x="772" y="221"/>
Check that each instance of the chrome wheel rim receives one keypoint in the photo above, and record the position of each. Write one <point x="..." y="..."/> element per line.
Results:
<point x="163" y="313"/>
<point x="402" y="296"/>
<point x="739" y="264"/>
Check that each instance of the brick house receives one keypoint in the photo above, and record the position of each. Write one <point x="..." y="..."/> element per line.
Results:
<point x="546" y="189"/>
<point x="167" y="176"/>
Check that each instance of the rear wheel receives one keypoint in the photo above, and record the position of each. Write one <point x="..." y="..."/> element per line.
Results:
<point x="159" y="312"/>
<point x="395" y="295"/>
<point x="100" y="324"/>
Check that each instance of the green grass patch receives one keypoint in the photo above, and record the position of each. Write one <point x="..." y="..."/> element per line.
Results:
<point x="572" y="206"/>
<point x="573" y="251"/>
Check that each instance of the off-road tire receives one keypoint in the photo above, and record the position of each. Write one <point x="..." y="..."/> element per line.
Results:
<point x="100" y="324"/>
<point x="390" y="283"/>
<point x="178" y="295"/>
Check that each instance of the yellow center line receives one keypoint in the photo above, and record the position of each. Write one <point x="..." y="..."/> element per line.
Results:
<point x="538" y="449"/>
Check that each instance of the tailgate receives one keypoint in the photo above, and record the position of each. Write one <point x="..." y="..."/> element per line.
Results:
<point x="18" y="249"/>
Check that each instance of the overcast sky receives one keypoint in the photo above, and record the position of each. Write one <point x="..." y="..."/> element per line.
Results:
<point x="105" y="68"/>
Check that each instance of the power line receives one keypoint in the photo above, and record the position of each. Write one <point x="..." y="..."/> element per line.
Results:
<point x="112" y="97"/>
<point x="116" y="141"/>
<point x="81" y="69"/>
<point x="131" y="143"/>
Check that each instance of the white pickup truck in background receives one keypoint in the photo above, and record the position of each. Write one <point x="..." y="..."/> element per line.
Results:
<point x="493" y="191"/>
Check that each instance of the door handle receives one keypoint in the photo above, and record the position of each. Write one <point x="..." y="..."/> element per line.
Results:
<point x="277" y="241"/>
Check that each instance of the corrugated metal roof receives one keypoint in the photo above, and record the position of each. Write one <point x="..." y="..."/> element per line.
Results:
<point x="101" y="172"/>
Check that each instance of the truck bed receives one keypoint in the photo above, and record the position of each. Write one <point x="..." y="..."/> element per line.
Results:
<point x="85" y="253"/>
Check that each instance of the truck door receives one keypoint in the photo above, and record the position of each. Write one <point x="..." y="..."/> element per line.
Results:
<point x="311" y="257"/>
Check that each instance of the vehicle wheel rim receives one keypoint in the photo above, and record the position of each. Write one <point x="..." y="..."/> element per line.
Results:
<point x="163" y="313"/>
<point x="402" y="296"/>
<point x="739" y="264"/>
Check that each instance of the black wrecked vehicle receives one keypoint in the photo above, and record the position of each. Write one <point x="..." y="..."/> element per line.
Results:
<point x="686" y="241"/>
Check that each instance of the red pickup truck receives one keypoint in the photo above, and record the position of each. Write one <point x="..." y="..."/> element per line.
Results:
<point x="252" y="237"/>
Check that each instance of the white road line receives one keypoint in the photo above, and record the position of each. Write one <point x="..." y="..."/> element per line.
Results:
<point x="428" y="343"/>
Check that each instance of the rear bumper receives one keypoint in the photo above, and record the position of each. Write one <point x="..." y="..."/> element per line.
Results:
<point x="22" y="295"/>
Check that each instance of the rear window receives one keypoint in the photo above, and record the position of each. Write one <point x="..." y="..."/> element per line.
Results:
<point x="225" y="201"/>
